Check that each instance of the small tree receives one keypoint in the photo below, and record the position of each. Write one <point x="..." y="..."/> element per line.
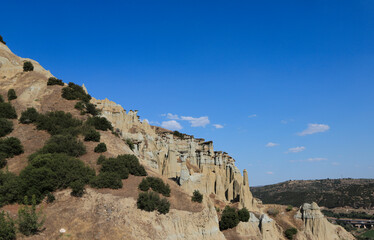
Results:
<point x="92" y="135"/>
<point x="29" y="116"/>
<point x="229" y="218"/>
<point x="6" y="127"/>
<point x="30" y="221"/>
<point x="100" y="148"/>
<point x="163" y="206"/>
<point x="7" y="228"/>
<point x="130" y="143"/>
<point x="3" y="160"/>
<point x="243" y="215"/>
<point x="1" y="98"/>
<point x="77" y="188"/>
<point x="289" y="233"/>
<point x="11" y="94"/>
<point x="107" y="180"/>
<point x="50" y="197"/>
<point x="197" y="196"/>
<point x="54" y="81"/>
<point x="7" y="111"/>
<point x="28" y="66"/>
<point x="1" y="40"/>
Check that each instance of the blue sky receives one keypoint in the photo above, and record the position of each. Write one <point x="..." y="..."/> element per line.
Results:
<point x="290" y="83"/>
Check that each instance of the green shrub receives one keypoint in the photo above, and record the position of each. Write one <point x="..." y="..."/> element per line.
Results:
<point x="150" y="201"/>
<point x="1" y="40"/>
<point x="77" y="188"/>
<point x="11" y="146"/>
<point x="7" y="111"/>
<point x="86" y="107"/>
<point x="50" y="197"/>
<point x="273" y="212"/>
<point x="100" y="148"/>
<point x="30" y="221"/>
<point x="54" y="81"/>
<point x="6" y="127"/>
<point x="3" y="160"/>
<point x="80" y="106"/>
<point x="100" y="123"/>
<point x="197" y="196"/>
<point x="64" y="144"/>
<point x="229" y="218"/>
<point x="11" y="188"/>
<point x="107" y="180"/>
<point x="114" y="165"/>
<point x="7" y="227"/>
<point x="243" y="215"/>
<point x="29" y="116"/>
<point x="75" y="92"/>
<point x="289" y="233"/>
<point x="1" y="98"/>
<point x="100" y="160"/>
<point x="92" y="135"/>
<point x="49" y="172"/>
<point x="58" y="122"/>
<point x="156" y="184"/>
<point x="130" y="144"/>
<point x="131" y="162"/>
<point x="11" y="94"/>
<point x="178" y="134"/>
<point x="28" y="66"/>
<point x="289" y="208"/>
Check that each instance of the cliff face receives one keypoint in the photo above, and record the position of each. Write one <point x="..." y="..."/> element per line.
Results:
<point x="193" y="162"/>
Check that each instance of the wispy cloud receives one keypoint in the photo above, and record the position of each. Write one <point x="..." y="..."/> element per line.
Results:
<point x="269" y="173"/>
<point x="314" y="128"/>
<point x="296" y="149"/>
<point x="196" y="122"/>
<point x="286" y="121"/>
<point x="271" y="144"/>
<point x="252" y="116"/>
<point x="172" y="116"/>
<point x="317" y="159"/>
<point x="218" y="126"/>
<point x="172" y="125"/>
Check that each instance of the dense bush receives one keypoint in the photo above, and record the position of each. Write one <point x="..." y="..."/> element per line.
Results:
<point x="197" y="196"/>
<point x="7" y="227"/>
<point x="130" y="143"/>
<point x="131" y="162"/>
<point x="29" y="116"/>
<point x="92" y="135"/>
<point x="2" y="40"/>
<point x="107" y="180"/>
<point x="1" y="98"/>
<point x="178" y="134"/>
<point x="86" y="107"/>
<point x="100" y="160"/>
<point x="30" y="221"/>
<point x="6" y="127"/>
<point x="100" y="123"/>
<point x="156" y="184"/>
<point x="229" y="218"/>
<point x="75" y="92"/>
<point x="150" y="201"/>
<point x="58" y="122"/>
<point x="11" y="147"/>
<point x="3" y="160"/>
<point x="54" y="81"/>
<point x="28" y="66"/>
<point x="50" y="197"/>
<point x="11" y="188"/>
<point x="100" y="148"/>
<point x="77" y="188"/>
<point x="115" y="165"/>
<point x="7" y="111"/>
<point x="289" y="233"/>
<point x="243" y="215"/>
<point x="64" y="144"/>
<point x="11" y="94"/>
<point x="49" y="172"/>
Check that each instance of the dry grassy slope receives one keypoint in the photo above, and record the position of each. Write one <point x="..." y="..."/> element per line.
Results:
<point x="100" y="214"/>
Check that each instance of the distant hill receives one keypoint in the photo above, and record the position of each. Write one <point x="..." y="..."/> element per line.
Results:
<point x="329" y="193"/>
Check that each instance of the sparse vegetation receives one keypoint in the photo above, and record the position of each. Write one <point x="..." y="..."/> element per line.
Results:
<point x="50" y="197"/>
<point x="289" y="208"/>
<point x="7" y="227"/>
<point x="156" y="184"/>
<point x="273" y="211"/>
<point x="29" y="116"/>
<point x="150" y="201"/>
<point x="6" y="127"/>
<point x="100" y="148"/>
<point x="197" y="196"/>
<point x="130" y="143"/>
<point x="289" y="233"/>
<point x="243" y="215"/>
<point x="85" y="107"/>
<point x="75" y="92"/>
<point x="28" y="66"/>
<point x="12" y="94"/>
<point x="7" y="111"/>
<point x="354" y="215"/>
<point x="92" y="135"/>
<point x="54" y="81"/>
<point x="30" y="221"/>
<point x="229" y="218"/>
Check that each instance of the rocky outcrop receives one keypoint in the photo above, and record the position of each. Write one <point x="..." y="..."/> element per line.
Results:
<point x="192" y="161"/>
<point x="317" y="227"/>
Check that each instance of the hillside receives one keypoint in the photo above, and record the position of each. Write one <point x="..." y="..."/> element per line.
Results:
<point x="331" y="193"/>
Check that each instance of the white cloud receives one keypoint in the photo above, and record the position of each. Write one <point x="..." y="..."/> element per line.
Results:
<point x="296" y="149"/>
<point x="314" y="128"/>
<point x="196" y="122"/>
<point x="271" y="144"/>
<point x="172" y="116"/>
<point x="270" y="173"/>
<point x="252" y="116"/>
<point x="172" y="125"/>
<point x="218" y="125"/>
